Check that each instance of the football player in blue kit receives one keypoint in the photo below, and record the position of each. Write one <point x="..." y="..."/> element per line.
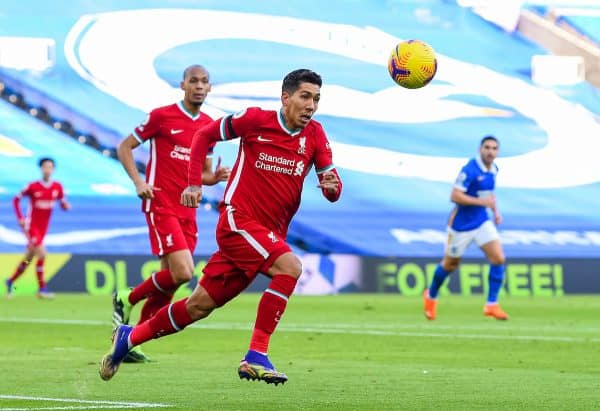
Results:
<point x="473" y="219"/>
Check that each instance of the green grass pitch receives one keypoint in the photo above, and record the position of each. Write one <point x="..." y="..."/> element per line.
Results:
<point x="347" y="352"/>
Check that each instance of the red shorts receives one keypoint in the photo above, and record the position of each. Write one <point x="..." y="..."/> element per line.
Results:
<point x="35" y="237"/>
<point x="246" y="248"/>
<point x="169" y="233"/>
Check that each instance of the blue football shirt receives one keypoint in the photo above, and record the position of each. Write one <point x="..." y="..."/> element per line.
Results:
<point x="477" y="181"/>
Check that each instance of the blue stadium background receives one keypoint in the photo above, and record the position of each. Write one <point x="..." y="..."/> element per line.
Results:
<point x="398" y="151"/>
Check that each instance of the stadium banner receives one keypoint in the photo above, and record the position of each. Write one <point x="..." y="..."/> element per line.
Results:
<point x="526" y="277"/>
<point x="102" y="274"/>
<point x="322" y="274"/>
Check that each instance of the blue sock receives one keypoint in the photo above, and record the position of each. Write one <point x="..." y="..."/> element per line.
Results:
<point x="495" y="279"/>
<point x="254" y="357"/>
<point x="439" y="276"/>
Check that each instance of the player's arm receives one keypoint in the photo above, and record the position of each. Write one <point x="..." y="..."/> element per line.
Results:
<point x="225" y="128"/>
<point x="459" y="196"/>
<point x="459" y="192"/>
<point x="329" y="179"/>
<point x="497" y="215"/>
<point x="211" y="177"/>
<point x="125" y="154"/>
<point x="64" y="204"/>
<point x="330" y="184"/>
<point x="203" y="138"/>
<point x="17" y="207"/>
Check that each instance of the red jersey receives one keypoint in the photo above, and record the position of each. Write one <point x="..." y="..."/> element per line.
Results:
<point x="170" y="130"/>
<point x="268" y="175"/>
<point x="42" y="197"/>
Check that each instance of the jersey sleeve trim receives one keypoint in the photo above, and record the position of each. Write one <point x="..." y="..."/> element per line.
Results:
<point x="226" y="128"/>
<point x="325" y="169"/>
<point x="137" y="137"/>
<point x="461" y="188"/>
<point x="222" y="129"/>
<point x="230" y="129"/>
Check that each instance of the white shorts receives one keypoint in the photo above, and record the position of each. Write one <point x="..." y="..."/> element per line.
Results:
<point x="458" y="241"/>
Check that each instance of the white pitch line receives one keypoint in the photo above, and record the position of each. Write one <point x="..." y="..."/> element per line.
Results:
<point x="326" y="326"/>
<point x="392" y="333"/>
<point x="53" y="321"/>
<point x="94" y="404"/>
<point x="332" y="329"/>
<point x="76" y="407"/>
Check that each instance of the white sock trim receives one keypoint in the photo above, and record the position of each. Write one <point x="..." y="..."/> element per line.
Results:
<point x="156" y="283"/>
<point x="173" y="323"/>
<point x="277" y="293"/>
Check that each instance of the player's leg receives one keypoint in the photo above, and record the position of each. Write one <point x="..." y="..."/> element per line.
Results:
<point x="457" y="243"/>
<point x="284" y="273"/>
<point x="442" y="271"/>
<point x="152" y="304"/>
<point x="40" y="253"/>
<point x="174" y="317"/>
<point x="159" y="288"/>
<point x="430" y="296"/>
<point x="20" y="269"/>
<point x="165" y="242"/>
<point x="168" y="241"/>
<point x="168" y="320"/>
<point x="221" y="282"/>
<point x="181" y="265"/>
<point x="253" y="248"/>
<point x="489" y="241"/>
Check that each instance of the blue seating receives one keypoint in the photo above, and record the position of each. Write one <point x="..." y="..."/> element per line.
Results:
<point x="398" y="151"/>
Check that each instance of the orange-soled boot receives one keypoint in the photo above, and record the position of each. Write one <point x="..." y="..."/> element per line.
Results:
<point x="494" y="310"/>
<point x="429" y="306"/>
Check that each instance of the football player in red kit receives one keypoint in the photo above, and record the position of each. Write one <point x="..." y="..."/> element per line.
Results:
<point x="276" y="152"/>
<point x="42" y="194"/>
<point x="172" y="227"/>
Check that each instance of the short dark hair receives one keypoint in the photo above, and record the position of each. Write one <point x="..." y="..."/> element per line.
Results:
<point x="44" y="159"/>
<point x="187" y="70"/>
<point x="291" y="82"/>
<point x="488" y="138"/>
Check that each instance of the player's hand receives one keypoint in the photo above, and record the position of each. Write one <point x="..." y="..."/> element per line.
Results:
<point x="497" y="218"/>
<point x="145" y="190"/>
<point x="22" y="222"/>
<point x="191" y="196"/>
<point x="65" y="205"/>
<point x="329" y="182"/>
<point x="221" y="173"/>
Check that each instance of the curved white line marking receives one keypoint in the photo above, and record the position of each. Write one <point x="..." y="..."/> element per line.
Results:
<point x="131" y="39"/>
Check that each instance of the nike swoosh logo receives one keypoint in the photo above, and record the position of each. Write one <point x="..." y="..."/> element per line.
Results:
<point x="173" y="131"/>
<point x="261" y="138"/>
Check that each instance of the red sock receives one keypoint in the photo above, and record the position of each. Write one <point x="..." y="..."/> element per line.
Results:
<point x="160" y="281"/>
<point x="168" y="320"/>
<point x="39" y="270"/>
<point x="153" y="303"/>
<point x="270" y="309"/>
<point x="20" y="269"/>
